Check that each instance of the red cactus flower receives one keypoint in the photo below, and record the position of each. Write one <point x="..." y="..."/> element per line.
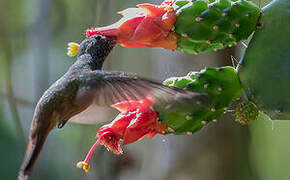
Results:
<point x="136" y="121"/>
<point x="148" y="25"/>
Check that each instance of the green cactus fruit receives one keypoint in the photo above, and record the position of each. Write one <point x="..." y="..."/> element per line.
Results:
<point x="206" y="25"/>
<point x="265" y="68"/>
<point x="246" y="112"/>
<point x="220" y="87"/>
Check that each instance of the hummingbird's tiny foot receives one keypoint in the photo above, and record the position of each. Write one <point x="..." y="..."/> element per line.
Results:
<point x="72" y="49"/>
<point x="83" y="165"/>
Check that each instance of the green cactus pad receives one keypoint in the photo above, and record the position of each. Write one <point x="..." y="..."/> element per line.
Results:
<point x="220" y="87"/>
<point x="265" y="68"/>
<point x="246" y="112"/>
<point x="206" y="25"/>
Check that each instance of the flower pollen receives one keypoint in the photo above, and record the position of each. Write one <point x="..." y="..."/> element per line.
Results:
<point x="72" y="49"/>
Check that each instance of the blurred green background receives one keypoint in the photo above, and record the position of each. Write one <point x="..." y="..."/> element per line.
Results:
<point x="33" y="39"/>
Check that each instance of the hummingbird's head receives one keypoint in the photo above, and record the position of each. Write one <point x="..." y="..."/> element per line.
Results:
<point x="93" y="50"/>
<point x="98" y="46"/>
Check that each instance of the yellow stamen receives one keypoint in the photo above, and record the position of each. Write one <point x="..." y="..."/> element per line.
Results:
<point x="83" y="165"/>
<point x="72" y="49"/>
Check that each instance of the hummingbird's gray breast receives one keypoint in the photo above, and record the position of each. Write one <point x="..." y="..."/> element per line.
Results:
<point x="59" y="101"/>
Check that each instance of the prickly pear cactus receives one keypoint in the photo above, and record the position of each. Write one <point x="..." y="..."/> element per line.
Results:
<point x="205" y="25"/>
<point x="192" y="26"/>
<point x="220" y="85"/>
<point x="265" y="68"/>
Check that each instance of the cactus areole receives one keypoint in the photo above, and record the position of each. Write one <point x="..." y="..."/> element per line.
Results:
<point x="265" y="67"/>
<point x="186" y="25"/>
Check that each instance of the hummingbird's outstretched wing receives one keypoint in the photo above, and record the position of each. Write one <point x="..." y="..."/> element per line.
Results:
<point x="104" y="88"/>
<point x="117" y="87"/>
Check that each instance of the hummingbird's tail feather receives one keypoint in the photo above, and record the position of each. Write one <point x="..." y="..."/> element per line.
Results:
<point x="36" y="140"/>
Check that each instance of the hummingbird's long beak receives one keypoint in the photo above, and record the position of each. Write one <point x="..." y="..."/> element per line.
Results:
<point x="39" y="133"/>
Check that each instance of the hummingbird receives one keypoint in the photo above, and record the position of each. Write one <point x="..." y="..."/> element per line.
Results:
<point x="83" y="85"/>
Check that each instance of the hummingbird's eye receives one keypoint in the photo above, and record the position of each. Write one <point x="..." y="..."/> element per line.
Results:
<point x="97" y="37"/>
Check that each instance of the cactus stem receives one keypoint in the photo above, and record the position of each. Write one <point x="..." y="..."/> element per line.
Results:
<point x="189" y="133"/>
<point x="198" y="19"/>
<point x="218" y="18"/>
<point x="215" y="27"/>
<point x="188" y="117"/>
<point x="220" y="93"/>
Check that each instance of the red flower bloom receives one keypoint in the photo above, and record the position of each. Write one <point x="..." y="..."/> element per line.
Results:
<point x="136" y="121"/>
<point x="148" y="25"/>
